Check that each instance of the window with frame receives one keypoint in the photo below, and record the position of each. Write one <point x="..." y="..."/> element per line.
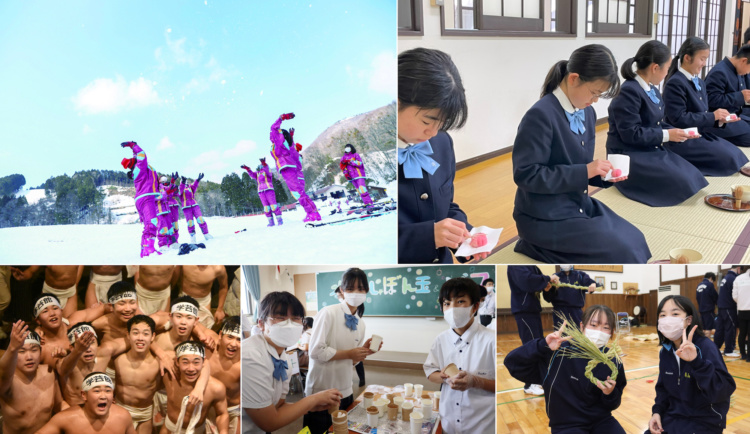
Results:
<point x="508" y="17"/>
<point x="618" y="17"/>
<point x="410" y="18"/>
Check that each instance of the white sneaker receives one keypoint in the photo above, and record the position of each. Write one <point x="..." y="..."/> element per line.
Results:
<point x="208" y="236"/>
<point x="192" y="239"/>
<point x="733" y="355"/>
<point x="534" y="389"/>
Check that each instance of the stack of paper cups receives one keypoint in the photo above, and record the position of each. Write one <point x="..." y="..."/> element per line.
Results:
<point x="380" y="404"/>
<point x="340" y="424"/>
<point x="399" y="401"/>
<point x="436" y="400"/>
<point x="427" y="408"/>
<point x="375" y="343"/>
<point x="408" y="389"/>
<point x="367" y="400"/>
<point x="418" y="390"/>
<point x="372" y="416"/>
<point x="416" y="422"/>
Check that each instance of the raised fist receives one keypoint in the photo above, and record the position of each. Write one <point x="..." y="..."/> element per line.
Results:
<point x="287" y="116"/>
<point x="128" y="144"/>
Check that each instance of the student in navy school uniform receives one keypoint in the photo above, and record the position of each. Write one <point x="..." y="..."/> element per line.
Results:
<point x="726" y="322"/>
<point x="431" y="101"/>
<point x="746" y="108"/>
<point x="726" y="89"/>
<point x="707" y="296"/>
<point x="658" y="176"/>
<point x="526" y="282"/>
<point x="573" y="403"/>
<point x="687" y="107"/>
<point x="694" y="386"/>
<point x="569" y="301"/>
<point x="553" y="166"/>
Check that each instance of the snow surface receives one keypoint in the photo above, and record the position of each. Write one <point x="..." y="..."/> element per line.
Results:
<point x="371" y="241"/>
<point x="32" y="196"/>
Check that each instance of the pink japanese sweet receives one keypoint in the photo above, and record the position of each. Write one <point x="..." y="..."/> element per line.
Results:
<point x="616" y="173"/>
<point x="691" y="133"/>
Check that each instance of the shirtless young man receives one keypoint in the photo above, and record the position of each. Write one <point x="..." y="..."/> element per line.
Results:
<point x="54" y="328"/>
<point x="28" y="391"/>
<point x="102" y="277"/>
<point x="225" y="367"/>
<point x="153" y="286"/>
<point x="79" y="363"/>
<point x="197" y="281"/>
<point x="180" y="409"/>
<point x="60" y="280"/>
<point x="138" y="376"/>
<point x="97" y="415"/>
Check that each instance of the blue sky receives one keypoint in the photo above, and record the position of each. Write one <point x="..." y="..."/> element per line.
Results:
<point x="197" y="84"/>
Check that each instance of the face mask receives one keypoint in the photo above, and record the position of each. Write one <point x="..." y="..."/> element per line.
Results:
<point x="348" y="149"/>
<point x="285" y="333"/>
<point x="458" y="316"/>
<point x="490" y="288"/>
<point x="671" y="327"/>
<point x="598" y="337"/>
<point x="354" y="299"/>
<point x="566" y="268"/>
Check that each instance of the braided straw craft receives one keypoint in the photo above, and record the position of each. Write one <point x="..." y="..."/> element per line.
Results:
<point x="582" y="288"/>
<point x="581" y="347"/>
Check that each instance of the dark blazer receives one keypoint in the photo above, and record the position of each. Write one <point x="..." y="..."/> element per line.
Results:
<point x="424" y="201"/>
<point x="724" y="87"/>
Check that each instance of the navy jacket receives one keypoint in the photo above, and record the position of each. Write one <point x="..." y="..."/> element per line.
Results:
<point x="697" y="391"/>
<point x="687" y="107"/>
<point x="635" y="122"/>
<point x="707" y="296"/>
<point x="526" y="281"/>
<point x="424" y="201"/>
<point x="725" y="292"/>
<point x="549" y="163"/>
<point x="569" y="297"/>
<point x="724" y="87"/>
<point x="571" y="399"/>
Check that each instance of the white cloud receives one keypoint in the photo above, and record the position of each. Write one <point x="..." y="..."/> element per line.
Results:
<point x="242" y="147"/>
<point x="216" y="164"/>
<point x="383" y="75"/>
<point x="104" y="95"/>
<point x="164" y="143"/>
<point x="176" y="52"/>
<point x="87" y="129"/>
<point x="126" y="123"/>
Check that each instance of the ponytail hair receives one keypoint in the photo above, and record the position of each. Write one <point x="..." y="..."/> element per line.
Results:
<point x="691" y="46"/>
<point x="591" y="62"/>
<point x="652" y="52"/>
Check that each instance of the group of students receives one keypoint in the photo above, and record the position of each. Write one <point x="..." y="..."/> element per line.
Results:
<point x="110" y="367"/>
<point x="553" y="153"/>
<point x="339" y="341"/>
<point x="158" y="201"/>
<point x="733" y="302"/>
<point x="693" y="389"/>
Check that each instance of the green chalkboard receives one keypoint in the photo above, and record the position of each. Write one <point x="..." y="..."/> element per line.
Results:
<point x="402" y="291"/>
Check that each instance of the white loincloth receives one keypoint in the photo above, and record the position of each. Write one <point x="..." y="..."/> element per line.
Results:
<point x="193" y="427"/>
<point x="139" y="415"/>
<point x="103" y="283"/>
<point x="151" y="302"/>
<point x="62" y="294"/>
<point x="160" y="405"/>
<point x="205" y="316"/>
<point x="234" y="418"/>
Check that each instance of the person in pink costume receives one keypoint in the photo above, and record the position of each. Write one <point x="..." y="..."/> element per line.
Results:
<point x="354" y="170"/>
<point x="265" y="191"/>
<point x="288" y="166"/>
<point x="146" y="184"/>
<point x="165" y="231"/>
<point x="191" y="209"/>
<point x="174" y="207"/>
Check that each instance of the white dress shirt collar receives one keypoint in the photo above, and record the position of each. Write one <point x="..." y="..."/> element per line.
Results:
<point x="564" y="100"/>
<point x="645" y="86"/>
<point x="686" y="74"/>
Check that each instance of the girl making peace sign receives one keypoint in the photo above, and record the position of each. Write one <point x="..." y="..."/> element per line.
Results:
<point x="694" y="386"/>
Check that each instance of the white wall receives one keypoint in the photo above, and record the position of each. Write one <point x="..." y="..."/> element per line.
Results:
<point x="503" y="75"/>
<point x="701" y="269"/>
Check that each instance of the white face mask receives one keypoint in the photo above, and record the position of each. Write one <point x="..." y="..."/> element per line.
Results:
<point x="285" y="333"/>
<point x="490" y="288"/>
<point x="348" y="149"/>
<point x="354" y="299"/>
<point x="598" y="337"/>
<point x="671" y="327"/>
<point x="566" y="268"/>
<point x="458" y="317"/>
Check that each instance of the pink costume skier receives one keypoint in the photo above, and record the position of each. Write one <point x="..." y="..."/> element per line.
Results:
<point x="166" y="229"/>
<point x="265" y="191"/>
<point x="354" y="170"/>
<point x="146" y="189"/>
<point x="174" y="207"/>
<point x="191" y="209"/>
<point x="288" y="166"/>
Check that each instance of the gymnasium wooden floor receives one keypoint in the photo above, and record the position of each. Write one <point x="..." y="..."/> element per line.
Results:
<point x="486" y="191"/>
<point x="521" y="413"/>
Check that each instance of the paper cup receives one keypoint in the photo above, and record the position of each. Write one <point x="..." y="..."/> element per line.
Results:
<point x="450" y="370"/>
<point x="408" y="389"/>
<point x="339" y="417"/>
<point x="372" y="418"/>
<point x="416" y="422"/>
<point x="427" y="408"/>
<point x="692" y="256"/>
<point x="392" y="411"/>
<point x="418" y="390"/>
<point x="406" y="408"/>
<point x="375" y="343"/>
<point x="398" y="400"/>
<point x="436" y="400"/>
<point x="367" y="399"/>
<point x="380" y="404"/>
<point x="389" y="397"/>
<point x="619" y="161"/>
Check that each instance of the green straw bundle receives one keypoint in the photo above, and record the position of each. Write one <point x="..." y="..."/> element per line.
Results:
<point x="581" y="347"/>
<point x="582" y="288"/>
